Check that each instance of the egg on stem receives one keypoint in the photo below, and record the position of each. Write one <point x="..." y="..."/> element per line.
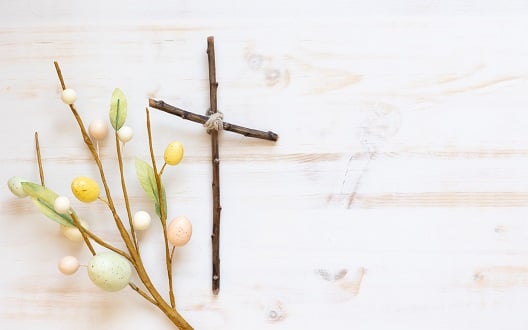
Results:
<point x="85" y="189"/>
<point x="125" y="134"/>
<point x="98" y="129"/>
<point x="15" y="186"/>
<point x="69" y="96"/>
<point x="109" y="271"/>
<point x="141" y="220"/>
<point x="179" y="231"/>
<point x="173" y="153"/>
<point x="61" y="204"/>
<point x="68" y="265"/>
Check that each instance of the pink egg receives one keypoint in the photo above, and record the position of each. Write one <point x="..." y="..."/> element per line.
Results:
<point x="98" y="129"/>
<point x="179" y="231"/>
<point x="68" y="265"/>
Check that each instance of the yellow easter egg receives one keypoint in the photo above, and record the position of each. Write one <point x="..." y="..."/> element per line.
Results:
<point x="85" y="189"/>
<point x="173" y="153"/>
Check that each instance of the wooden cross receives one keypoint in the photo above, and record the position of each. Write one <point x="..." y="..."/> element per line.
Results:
<point x="213" y="121"/>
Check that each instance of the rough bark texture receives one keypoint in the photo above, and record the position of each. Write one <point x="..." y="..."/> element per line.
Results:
<point x="197" y="118"/>
<point x="215" y="159"/>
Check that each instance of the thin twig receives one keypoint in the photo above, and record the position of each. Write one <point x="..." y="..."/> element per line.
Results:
<point x="172" y="252"/>
<point x="59" y="73"/>
<point x="39" y="160"/>
<point x="103" y="200"/>
<point x="215" y="159"/>
<point x="125" y="193"/>
<point x="79" y="226"/>
<point x="197" y="118"/>
<point x="101" y="242"/>
<point x="163" y="216"/>
<point x="162" y="169"/>
<point x="143" y="293"/>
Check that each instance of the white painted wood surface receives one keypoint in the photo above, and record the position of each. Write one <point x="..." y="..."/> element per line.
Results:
<point x="396" y="197"/>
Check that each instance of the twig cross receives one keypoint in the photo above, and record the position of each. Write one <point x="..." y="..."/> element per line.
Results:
<point x="213" y="122"/>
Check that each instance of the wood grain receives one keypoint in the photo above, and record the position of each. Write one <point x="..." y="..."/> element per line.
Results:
<point x="395" y="198"/>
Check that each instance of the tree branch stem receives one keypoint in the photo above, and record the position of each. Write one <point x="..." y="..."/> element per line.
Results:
<point x="201" y="119"/>
<point x="84" y="235"/>
<point x="39" y="160"/>
<point x="163" y="215"/>
<point x="125" y="193"/>
<point x="215" y="160"/>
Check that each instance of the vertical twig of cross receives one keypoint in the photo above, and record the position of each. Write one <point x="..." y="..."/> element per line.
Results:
<point x="213" y="121"/>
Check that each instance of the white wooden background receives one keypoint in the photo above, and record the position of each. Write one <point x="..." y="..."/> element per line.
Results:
<point x="396" y="197"/>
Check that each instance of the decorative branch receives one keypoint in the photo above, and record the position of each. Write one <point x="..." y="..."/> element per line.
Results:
<point x="135" y="259"/>
<point x="215" y="159"/>
<point x="201" y="119"/>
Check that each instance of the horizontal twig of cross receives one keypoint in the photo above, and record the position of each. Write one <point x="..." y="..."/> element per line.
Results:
<point x="201" y="119"/>
<point x="213" y="122"/>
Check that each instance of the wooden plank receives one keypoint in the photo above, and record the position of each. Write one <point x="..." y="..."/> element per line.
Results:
<point x="394" y="198"/>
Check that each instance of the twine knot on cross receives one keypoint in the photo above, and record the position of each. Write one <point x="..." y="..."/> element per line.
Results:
<point x="215" y="122"/>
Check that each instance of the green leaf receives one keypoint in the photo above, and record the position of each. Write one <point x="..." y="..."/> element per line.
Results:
<point x="44" y="199"/>
<point x="147" y="179"/>
<point x="118" y="109"/>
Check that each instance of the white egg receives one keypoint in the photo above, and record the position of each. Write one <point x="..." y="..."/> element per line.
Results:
<point x="61" y="204"/>
<point x="68" y="265"/>
<point x="179" y="231"/>
<point x="98" y="129"/>
<point x="15" y="185"/>
<point x="125" y="134"/>
<point x="109" y="271"/>
<point x="73" y="233"/>
<point x="141" y="220"/>
<point x="69" y="96"/>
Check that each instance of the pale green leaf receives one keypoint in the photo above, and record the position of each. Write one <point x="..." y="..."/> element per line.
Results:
<point x="118" y="109"/>
<point x="147" y="179"/>
<point x="44" y="199"/>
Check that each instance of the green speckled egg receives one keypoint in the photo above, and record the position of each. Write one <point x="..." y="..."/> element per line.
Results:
<point x="15" y="185"/>
<point x="109" y="271"/>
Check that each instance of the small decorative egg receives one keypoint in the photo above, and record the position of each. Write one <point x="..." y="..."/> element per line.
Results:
<point x="73" y="233"/>
<point x="98" y="129"/>
<point x="109" y="271"/>
<point x="179" y="231"/>
<point x="61" y="204"/>
<point x="85" y="189"/>
<point x="173" y="153"/>
<point x="68" y="265"/>
<point x="125" y="134"/>
<point x="15" y="185"/>
<point x="69" y="96"/>
<point x="141" y="220"/>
